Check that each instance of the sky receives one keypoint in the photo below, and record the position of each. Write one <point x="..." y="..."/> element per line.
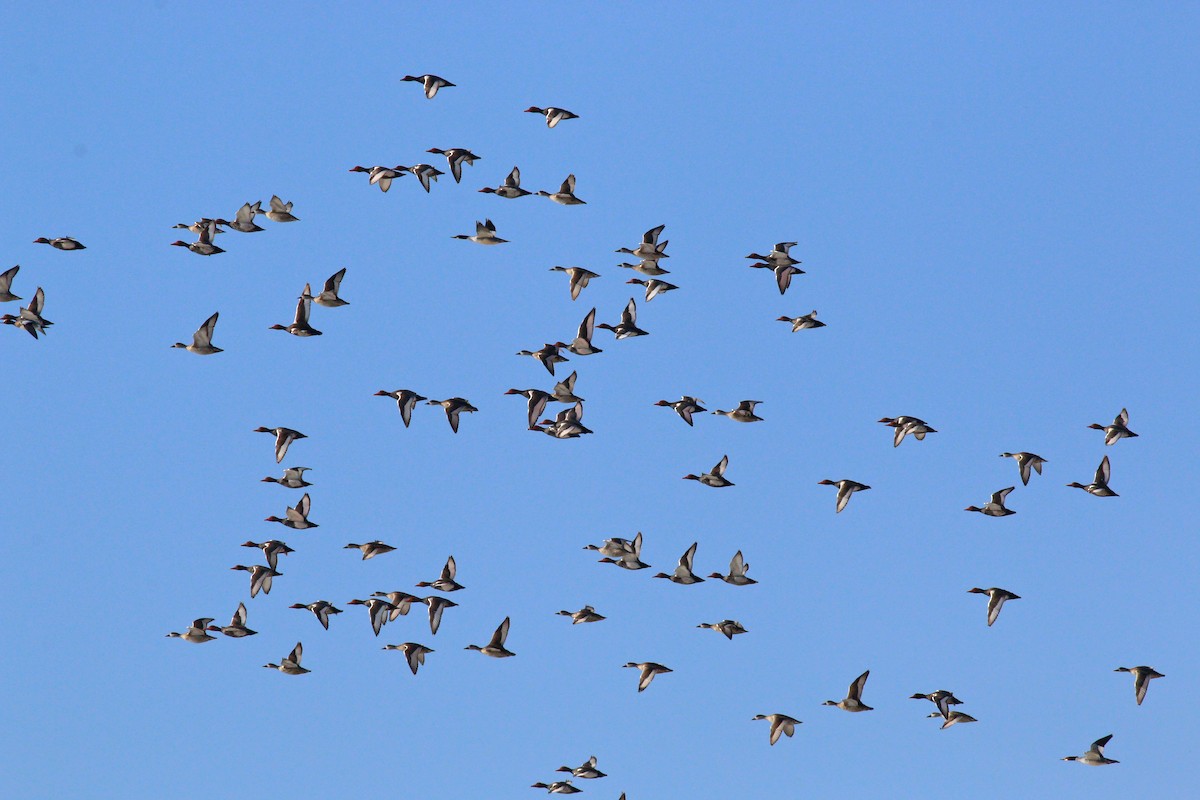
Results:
<point x="995" y="210"/>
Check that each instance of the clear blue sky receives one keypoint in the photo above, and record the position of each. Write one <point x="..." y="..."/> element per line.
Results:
<point x="997" y="212"/>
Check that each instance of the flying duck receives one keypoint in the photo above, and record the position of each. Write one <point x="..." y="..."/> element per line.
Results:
<point x="996" y="600"/>
<point x="203" y="246"/>
<point x="783" y="274"/>
<point x="293" y="478"/>
<point x="853" y="700"/>
<point x="845" y="489"/>
<point x="445" y="582"/>
<point x="260" y="578"/>
<point x="402" y="602"/>
<point x="548" y="355"/>
<point x="381" y="176"/>
<point x="649" y="248"/>
<point x="510" y="189"/>
<point x="743" y="413"/>
<point x="648" y="670"/>
<point x="202" y="339"/>
<point x="280" y="211"/>
<point x="803" y="323"/>
<point x="61" y="243"/>
<point x="321" y="609"/>
<point x="778" y="255"/>
<point x="556" y="787"/>
<point x="243" y="220"/>
<point x="196" y="633"/>
<point x="329" y="293"/>
<point x="283" y="439"/>
<point x="456" y="157"/>
<point x="453" y="406"/>
<point x="578" y="276"/>
<point x="1117" y="430"/>
<point x="485" y="233"/>
<point x="30" y="317"/>
<point x="627" y="327"/>
<point x="904" y="426"/>
<point x="370" y="549"/>
<point x="781" y="724"/>
<point x="647" y="266"/>
<point x="684" y="407"/>
<point x="630" y="556"/>
<point x="296" y="517"/>
<point x="716" y="478"/>
<point x="728" y="627"/>
<point x="272" y="550"/>
<point x="414" y="653"/>
<point x="565" y="196"/>
<point x="654" y="287"/>
<point x="495" y="648"/>
<point x="1099" y="484"/>
<point x="406" y="400"/>
<point x="1141" y="680"/>
<point x="582" y="344"/>
<point x="425" y="173"/>
<point x="536" y="405"/>
<point x="585" y="614"/>
<point x="1025" y="462"/>
<point x="236" y="628"/>
<point x="587" y="770"/>
<point x="737" y="572"/>
<point x="437" y="605"/>
<point x="942" y="699"/>
<point x="564" y="390"/>
<point x="553" y="115"/>
<point x="995" y="507"/>
<point x="6" y="278"/>
<point x="378" y="609"/>
<point x="299" y="325"/>
<point x="953" y="718"/>
<point x="431" y="83"/>
<point x="291" y="664"/>
<point x="1094" y="757"/>
<point x="683" y="572"/>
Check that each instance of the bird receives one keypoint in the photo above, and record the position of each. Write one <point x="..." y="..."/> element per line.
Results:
<point x="585" y="614"/>
<point x="648" y="670"/>
<point x="654" y="287"/>
<point x="495" y="648"/>
<point x="510" y="189"/>
<point x="456" y="157"/>
<point x="995" y="506"/>
<point x="201" y="224"/>
<point x="587" y="770"/>
<point x="61" y="243"/>
<point x="321" y="609"/>
<point x="283" y="439"/>
<point x="743" y="413"/>
<point x="236" y="628"/>
<point x="779" y="254"/>
<point x="381" y="176"/>
<point x="202" y="339"/>
<point x="413" y="653"/>
<point x="370" y="549"/>
<point x="1099" y="484"/>
<point x="582" y="345"/>
<point x="942" y="699"/>
<point x="1141" y="680"/>
<point x="536" y="405"/>
<point x="196" y="633"/>
<point x="272" y="550"/>
<point x="627" y="327"/>
<point x="1117" y="430"/>
<point x="737" y="572"/>
<point x="683" y="573"/>
<point x="1094" y="757"/>
<point x="649" y="248"/>
<point x="406" y="400"/>
<point x="260" y="578"/>
<point x="485" y="233"/>
<point x="685" y="406"/>
<point x="30" y="317"/>
<point x="437" y="605"/>
<point x="996" y="599"/>
<point x="579" y="278"/>
<point x="629" y="557"/>
<point x="556" y="787"/>
<point x="845" y="489"/>
<point x="567" y="424"/>
<point x="431" y="83"/>
<point x="783" y="274"/>
<point x="803" y="323"/>
<point x="6" y="278"/>
<point x="953" y="718"/>
<point x="716" y="478"/>
<point x="647" y="266"/>
<point x="299" y="325"/>
<point x="1026" y="462"/>
<point x="727" y="627"/>
<point x="203" y="246"/>
<point x="291" y="664"/>
<point x="329" y="292"/>
<point x="853" y="700"/>
<point x="424" y="173"/>
<point x="296" y="517"/>
<point x="401" y="602"/>
<point x="378" y="609"/>
<point x="904" y="426"/>
<point x="553" y="115"/>
<point x="781" y="724"/>
<point x="548" y="355"/>
<point x="453" y="406"/>
<point x="243" y="220"/>
<point x="280" y="211"/>
<point x="293" y="478"/>
<point x="565" y="196"/>
<point x="445" y="582"/>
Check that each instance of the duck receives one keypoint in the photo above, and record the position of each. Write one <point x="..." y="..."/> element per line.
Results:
<point x="293" y="478"/>
<point x="905" y="425"/>
<point x="781" y="724"/>
<point x="402" y="602"/>
<point x="536" y="405"/>
<point x="1026" y="462"/>
<point x="370" y="549"/>
<point x="203" y="246"/>
<point x="510" y="189"/>
<point x="629" y="557"/>
<point x="299" y="325"/>
<point x="1117" y="430"/>
<point x="485" y="233"/>
<point x="716" y="478"/>
<point x="30" y="317"/>
<point x="297" y="517"/>
<point x="783" y="274"/>
<point x="743" y="413"/>
<point x="779" y="254"/>
<point x="283" y="439"/>
<point x="548" y="355"/>
<point x="995" y="507"/>
<point x="453" y="406"/>
<point x="291" y="664"/>
<point x="627" y="327"/>
<point x="647" y="266"/>
<point x="431" y="83"/>
<point x="582" y="345"/>
<point x="579" y="278"/>
<point x="414" y="653"/>
<point x="565" y="196"/>
<point x="587" y="770"/>
<point x="445" y="581"/>
<point x="685" y="406"/>
<point x="727" y="627"/>
<point x="853" y="700"/>
<point x="260" y="578"/>
<point x="567" y="424"/>
<point x="236" y="629"/>
<point x="406" y="400"/>
<point x="202" y="339"/>
<point x="683" y="573"/>
<point x="557" y="787"/>
<point x="1094" y="757"/>
<point x="1141" y="679"/>
<point x="243" y="220"/>
<point x="381" y="176"/>
<point x="437" y="605"/>
<point x="804" y="323"/>
<point x="495" y="648"/>
<point x="1099" y="484"/>
<point x="845" y="489"/>
<point x="585" y="614"/>
<point x="272" y="550"/>
<point x="564" y="390"/>
<point x="456" y="157"/>
<point x="553" y="115"/>
<point x="61" y="243"/>
<point x="196" y="633"/>
<point x="321" y="609"/>
<point x="648" y="670"/>
<point x="953" y="718"/>
<point x="654" y="287"/>
<point x="425" y="173"/>
<point x="996" y="599"/>
<point x="200" y="225"/>
<point x="329" y="292"/>
<point x="649" y="248"/>
<point x="280" y="211"/>
<point x="942" y="699"/>
<point x="737" y="572"/>
<point x="378" y="609"/>
<point x="6" y="279"/>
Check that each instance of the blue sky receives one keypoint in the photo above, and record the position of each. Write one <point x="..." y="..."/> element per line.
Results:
<point x="996" y="212"/>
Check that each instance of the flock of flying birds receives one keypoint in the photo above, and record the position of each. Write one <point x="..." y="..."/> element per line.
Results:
<point x="385" y="607"/>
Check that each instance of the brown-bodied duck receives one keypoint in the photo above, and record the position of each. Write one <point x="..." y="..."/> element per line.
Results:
<point x="243" y="220"/>
<point x="328" y="295"/>
<point x="370" y="549"/>
<point x="715" y="478"/>
<point x="378" y="608"/>
<point x="726" y="627"/>
<point x="1119" y="429"/>
<point x="654" y="287"/>
<point x="647" y="266"/>
<point x="587" y="770"/>
<point x="1099" y="484"/>
<point x="649" y="248"/>
<point x="997" y="597"/>
<point x="380" y="175"/>
<point x="30" y="317"/>
<point x="905" y="425"/>
<point x="203" y="246"/>
<point x="585" y="614"/>
<point x="402" y="602"/>
<point x="779" y="254"/>
<point x="737" y="572"/>
<point x="564" y="390"/>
